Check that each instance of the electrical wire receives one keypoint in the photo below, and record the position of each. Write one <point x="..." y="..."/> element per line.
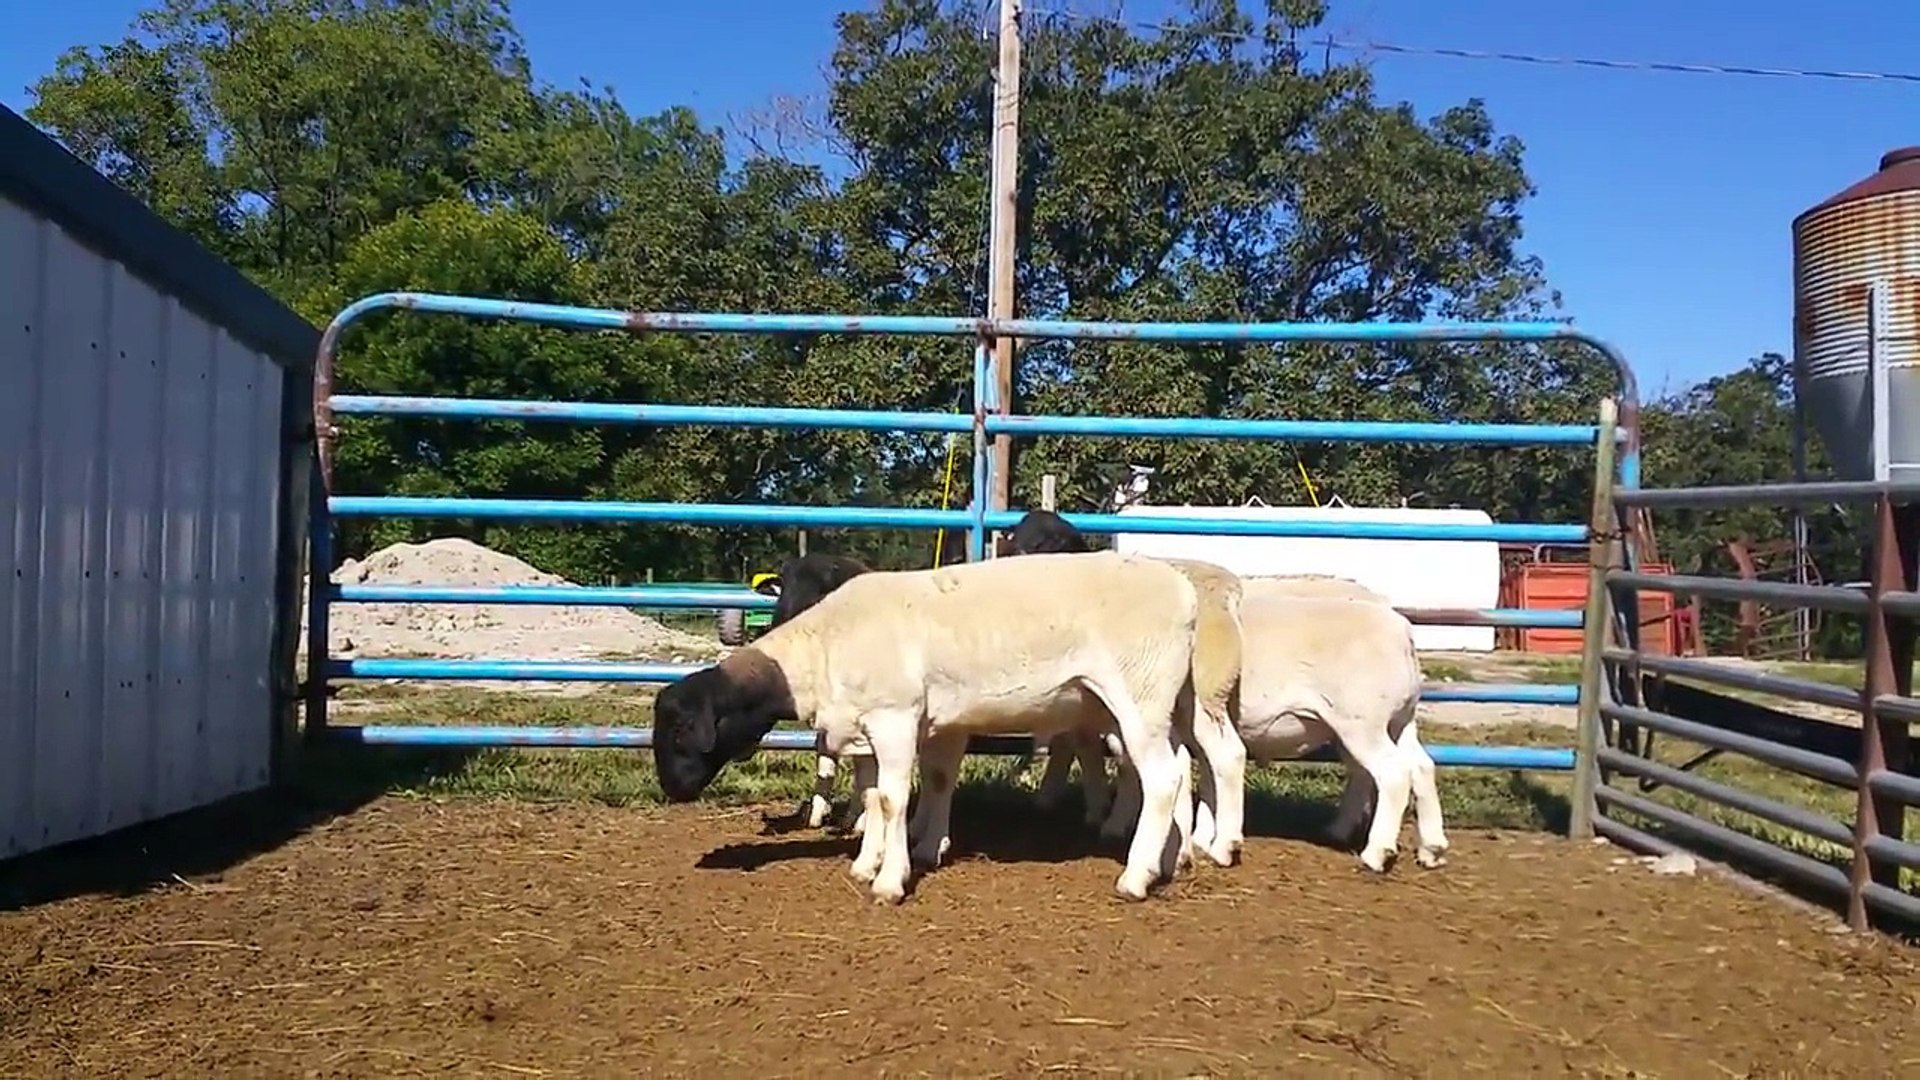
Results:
<point x="1350" y="46"/>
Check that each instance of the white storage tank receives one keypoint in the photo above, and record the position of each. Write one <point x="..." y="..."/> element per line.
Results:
<point x="1410" y="573"/>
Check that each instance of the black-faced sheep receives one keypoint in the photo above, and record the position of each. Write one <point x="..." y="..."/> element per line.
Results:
<point x="912" y="663"/>
<point x="1216" y="682"/>
<point x="1303" y="636"/>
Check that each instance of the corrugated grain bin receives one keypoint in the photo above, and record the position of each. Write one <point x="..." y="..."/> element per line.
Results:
<point x="1867" y="234"/>
<point x="153" y="460"/>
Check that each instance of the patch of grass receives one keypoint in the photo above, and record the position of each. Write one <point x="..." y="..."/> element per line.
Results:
<point x="1791" y="789"/>
<point x="1550" y="669"/>
<point x="1280" y="799"/>
<point x="1445" y="671"/>
<point x="1833" y="672"/>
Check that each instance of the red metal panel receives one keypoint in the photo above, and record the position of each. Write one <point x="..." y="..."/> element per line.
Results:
<point x="1563" y="587"/>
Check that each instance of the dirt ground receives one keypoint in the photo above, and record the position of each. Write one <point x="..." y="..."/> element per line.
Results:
<point x="484" y="939"/>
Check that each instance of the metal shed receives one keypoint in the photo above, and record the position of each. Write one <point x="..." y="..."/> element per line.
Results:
<point x="154" y="464"/>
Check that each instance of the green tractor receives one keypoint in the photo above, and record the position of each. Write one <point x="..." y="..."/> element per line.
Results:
<point x="738" y="625"/>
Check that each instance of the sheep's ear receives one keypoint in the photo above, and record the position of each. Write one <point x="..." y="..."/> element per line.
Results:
<point x="699" y="734"/>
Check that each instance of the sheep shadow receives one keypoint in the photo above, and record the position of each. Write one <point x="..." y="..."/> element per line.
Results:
<point x="992" y="821"/>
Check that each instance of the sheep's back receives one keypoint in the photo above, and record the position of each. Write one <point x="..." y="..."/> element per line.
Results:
<point x="1000" y="636"/>
<point x="1337" y="653"/>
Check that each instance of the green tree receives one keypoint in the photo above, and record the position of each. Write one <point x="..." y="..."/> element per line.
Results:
<point x="278" y="131"/>
<point x="1739" y="429"/>
<point x="454" y="246"/>
<point x="1210" y="171"/>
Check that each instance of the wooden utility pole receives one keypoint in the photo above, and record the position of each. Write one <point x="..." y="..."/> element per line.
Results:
<point x="1005" y="189"/>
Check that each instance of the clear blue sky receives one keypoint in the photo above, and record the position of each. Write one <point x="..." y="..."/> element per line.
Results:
<point x="1664" y="199"/>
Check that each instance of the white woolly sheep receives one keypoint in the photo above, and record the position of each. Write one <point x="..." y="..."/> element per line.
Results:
<point x="1330" y="660"/>
<point x="911" y="663"/>
<point x="800" y="584"/>
<point x="1217" y="658"/>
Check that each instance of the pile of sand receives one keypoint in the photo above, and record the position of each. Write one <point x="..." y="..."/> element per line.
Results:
<point x="488" y="631"/>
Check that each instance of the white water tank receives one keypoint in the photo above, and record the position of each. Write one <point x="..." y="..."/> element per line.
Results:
<point x="1409" y="573"/>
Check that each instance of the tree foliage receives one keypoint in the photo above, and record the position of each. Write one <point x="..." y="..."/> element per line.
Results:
<point x="1212" y="170"/>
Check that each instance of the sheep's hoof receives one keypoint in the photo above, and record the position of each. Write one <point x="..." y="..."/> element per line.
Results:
<point x="817" y="812"/>
<point x="1131" y="886"/>
<point x="1378" y="860"/>
<point x="1431" y="857"/>
<point x="930" y="856"/>
<point x="891" y="892"/>
<point x="864" y="872"/>
<point x="1222" y="854"/>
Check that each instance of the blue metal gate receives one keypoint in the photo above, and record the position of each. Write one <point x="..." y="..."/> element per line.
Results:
<point x="989" y="418"/>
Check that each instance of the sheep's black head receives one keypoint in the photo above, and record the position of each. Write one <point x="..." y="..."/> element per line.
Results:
<point x="715" y="716"/>
<point x="1041" y="531"/>
<point x="808" y="579"/>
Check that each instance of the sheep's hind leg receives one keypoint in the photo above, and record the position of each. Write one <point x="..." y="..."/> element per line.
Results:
<point x="1123" y="814"/>
<point x="1427" y="823"/>
<point x="1392" y="776"/>
<point x="1089" y="749"/>
<point x="928" y="833"/>
<point x="854" y="821"/>
<point x="1155" y="849"/>
<point x="1356" y="802"/>
<point x="1221" y="833"/>
<point x="1053" y="781"/>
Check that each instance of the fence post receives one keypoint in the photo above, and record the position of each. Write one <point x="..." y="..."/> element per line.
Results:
<point x="1047" y="493"/>
<point x="977" y="497"/>
<point x="1602" y="551"/>
<point x="1888" y="638"/>
<point x="319" y="582"/>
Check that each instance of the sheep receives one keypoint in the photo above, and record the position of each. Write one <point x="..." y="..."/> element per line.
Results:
<point x="798" y="585"/>
<point x="1355" y="795"/>
<point x="1216" y="680"/>
<point x="801" y="583"/>
<point x="1390" y="717"/>
<point x="1001" y="646"/>
<point x="1309" y="639"/>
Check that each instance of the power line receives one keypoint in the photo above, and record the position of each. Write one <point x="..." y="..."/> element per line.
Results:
<point x="1344" y="45"/>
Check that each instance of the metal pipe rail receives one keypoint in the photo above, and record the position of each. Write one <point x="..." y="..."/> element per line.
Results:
<point x="1880" y="770"/>
<point x="990" y="417"/>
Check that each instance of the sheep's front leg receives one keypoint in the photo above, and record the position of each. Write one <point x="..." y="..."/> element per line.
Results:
<point x="821" y="804"/>
<point x="894" y="736"/>
<point x="855" y="822"/>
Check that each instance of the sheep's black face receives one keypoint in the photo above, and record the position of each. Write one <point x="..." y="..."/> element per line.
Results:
<point x="1042" y="532"/>
<point x="711" y="718"/>
<point x="682" y="737"/>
